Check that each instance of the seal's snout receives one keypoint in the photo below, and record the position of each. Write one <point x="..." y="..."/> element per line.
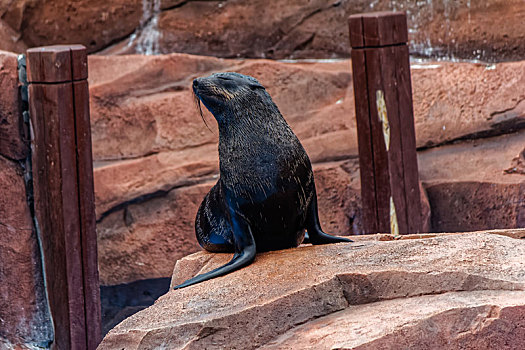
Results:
<point x="195" y="84"/>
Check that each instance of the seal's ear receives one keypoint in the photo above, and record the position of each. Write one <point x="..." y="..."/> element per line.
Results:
<point x="255" y="87"/>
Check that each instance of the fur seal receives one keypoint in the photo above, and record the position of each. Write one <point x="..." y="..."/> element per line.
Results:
<point x="265" y="197"/>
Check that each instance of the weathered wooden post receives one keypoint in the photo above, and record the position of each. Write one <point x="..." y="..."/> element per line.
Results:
<point x="385" y="123"/>
<point x="63" y="191"/>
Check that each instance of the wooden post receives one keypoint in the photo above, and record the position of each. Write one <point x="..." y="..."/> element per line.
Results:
<point x="63" y="191"/>
<point x="385" y="123"/>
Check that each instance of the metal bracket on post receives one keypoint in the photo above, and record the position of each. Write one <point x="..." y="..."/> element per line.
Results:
<point x="63" y="191"/>
<point x="385" y="123"/>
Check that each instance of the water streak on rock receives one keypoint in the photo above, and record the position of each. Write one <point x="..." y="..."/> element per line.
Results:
<point x="146" y="37"/>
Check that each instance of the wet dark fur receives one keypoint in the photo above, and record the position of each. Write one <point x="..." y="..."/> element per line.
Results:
<point x="265" y="196"/>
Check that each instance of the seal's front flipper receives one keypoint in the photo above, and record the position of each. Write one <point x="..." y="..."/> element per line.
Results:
<point x="244" y="254"/>
<point x="313" y="228"/>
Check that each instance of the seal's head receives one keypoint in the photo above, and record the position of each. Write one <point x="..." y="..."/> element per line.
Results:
<point x="224" y="94"/>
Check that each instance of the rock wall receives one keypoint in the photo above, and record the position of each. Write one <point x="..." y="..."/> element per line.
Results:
<point x="24" y="317"/>
<point x="150" y="180"/>
<point x="486" y="30"/>
<point x="452" y="291"/>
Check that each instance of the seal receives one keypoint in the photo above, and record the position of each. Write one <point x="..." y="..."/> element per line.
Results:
<point x="265" y="197"/>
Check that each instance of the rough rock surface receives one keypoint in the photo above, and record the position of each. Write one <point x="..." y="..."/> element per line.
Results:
<point x="12" y="143"/>
<point x="487" y="30"/>
<point x="94" y="24"/>
<point x="123" y="300"/>
<point x="455" y="289"/>
<point x="24" y="318"/>
<point x="150" y="96"/>
<point x="149" y="181"/>
<point x="468" y="186"/>
<point x="455" y="320"/>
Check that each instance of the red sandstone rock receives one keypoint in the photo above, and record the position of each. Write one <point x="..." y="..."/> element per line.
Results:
<point x="517" y="164"/>
<point x="161" y="115"/>
<point x="94" y="24"/>
<point x="150" y="96"/>
<point x="489" y="30"/>
<point x="121" y="182"/>
<point x="143" y="240"/>
<point x="10" y="39"/>
<point x="12" y="143"/>
<point x="24" y="320"/>
<point x="457" y="320"/>
<point x="485" y="30"/>
<point x="464" y="100"/>
<point x="468" y="187"/>
<point x="453" y="289"/>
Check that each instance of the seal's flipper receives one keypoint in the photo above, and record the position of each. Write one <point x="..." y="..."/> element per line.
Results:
<point x="244" y="254"/>
<point x="238" y="261"/>
<point x="313" y="228"/>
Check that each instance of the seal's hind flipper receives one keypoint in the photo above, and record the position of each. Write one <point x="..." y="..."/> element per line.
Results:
<point x="313" y="228"/>
<point x="244" y="253"/>
<point x="238" y="261"/>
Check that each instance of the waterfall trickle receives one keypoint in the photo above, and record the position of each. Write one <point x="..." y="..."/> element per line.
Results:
<point x="146" y="36"/>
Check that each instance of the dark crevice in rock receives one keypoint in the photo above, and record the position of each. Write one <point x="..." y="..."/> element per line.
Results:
<point x="157" y="194"/>
<point x="113" y="42"/>
<point x="123" y="300"/>
<point x="335" y="159"/>
<point x="9" y="227"/>
<point x="496" y="113"/>
<point x="42" y="332"/>
<point x="206" y="331"/>
<point x="507" y="127"/>
<point x="284" y="37"/>
<point x="6" y="157"/>
<point x="172" y="87"/>
<point x="99" y="163"/>
<point x="304" y="44"/>
<point x="176" y="6"/>
<point x="361" y="289"/>
<point x="308" y="16"/>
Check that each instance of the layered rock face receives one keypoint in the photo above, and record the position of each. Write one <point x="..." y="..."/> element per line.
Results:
<point x="150" y="179"/>
<point x="486" y="30"/>
<point x="452" y="291"/>
<point x="24" y="317"/>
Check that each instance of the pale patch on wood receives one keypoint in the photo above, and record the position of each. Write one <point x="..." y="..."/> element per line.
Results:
<point x="383" y="118"/>
<point x="394" y="227"/>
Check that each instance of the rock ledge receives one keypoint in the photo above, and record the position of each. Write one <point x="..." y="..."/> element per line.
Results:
<point x="451" y="290"/>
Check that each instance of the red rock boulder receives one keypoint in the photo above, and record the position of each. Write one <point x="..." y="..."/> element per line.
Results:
<point x="24" y="317"/>
<point x="450" y="291"/>
<point x="13" y="143"/>
<point x="488" y="30"/>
